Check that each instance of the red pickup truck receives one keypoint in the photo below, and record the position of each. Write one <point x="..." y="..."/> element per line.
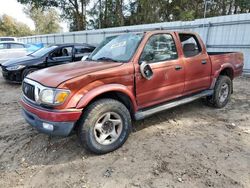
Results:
<point x="127" y="77"/>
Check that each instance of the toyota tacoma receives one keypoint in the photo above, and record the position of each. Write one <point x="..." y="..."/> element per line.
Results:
<point x="128" y="77"/>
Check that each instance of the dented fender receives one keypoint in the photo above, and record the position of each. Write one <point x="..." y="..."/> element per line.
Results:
<point x="90" y="95"/>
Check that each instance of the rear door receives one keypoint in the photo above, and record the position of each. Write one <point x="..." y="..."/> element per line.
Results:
<point x="161" y="54"/>
<point x="81" y="51"/>
<point x="196" y="62"/>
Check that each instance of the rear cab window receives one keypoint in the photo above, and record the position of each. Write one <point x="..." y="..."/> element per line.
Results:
<point x="190" y="45"/>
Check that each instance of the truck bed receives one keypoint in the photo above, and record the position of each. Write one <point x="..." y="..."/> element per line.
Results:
<point x="219" y="53"/>
<point x="230" y="59"/>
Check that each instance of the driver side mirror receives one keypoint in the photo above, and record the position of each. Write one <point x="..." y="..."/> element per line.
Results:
<point x="146" y="70"/>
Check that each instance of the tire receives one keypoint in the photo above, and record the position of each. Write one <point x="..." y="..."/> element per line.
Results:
<point x="222" y="93"/>
<point x="99" y="130"/>
<point x="27" y="71"/>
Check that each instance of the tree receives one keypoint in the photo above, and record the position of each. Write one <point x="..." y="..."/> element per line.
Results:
<point x="10" y="27"/>
<point x="113" y="13"/>
<point x="72" y="10"/>
<point x="75" y="12"/>
<point x="45" y="21"/>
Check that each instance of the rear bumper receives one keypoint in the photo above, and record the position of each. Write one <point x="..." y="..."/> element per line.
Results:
<point x="62" y="121"/>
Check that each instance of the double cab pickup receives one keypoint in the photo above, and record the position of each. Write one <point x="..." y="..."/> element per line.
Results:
<point x="128" y="77"/>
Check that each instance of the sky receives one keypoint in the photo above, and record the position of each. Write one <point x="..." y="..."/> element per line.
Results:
<point x="15" y="9"/>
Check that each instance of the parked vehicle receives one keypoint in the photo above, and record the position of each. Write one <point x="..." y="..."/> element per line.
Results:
<point x="8" y="39"/>
<point x="15" y="70"/>
<point x="10" y="50"/>
<point x="133" y="76"/>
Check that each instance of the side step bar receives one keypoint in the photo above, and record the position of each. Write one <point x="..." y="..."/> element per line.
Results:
<point x="145" y="113"/>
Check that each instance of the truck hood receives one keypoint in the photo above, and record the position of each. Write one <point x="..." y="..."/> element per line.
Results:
<point x="56" y="75"/>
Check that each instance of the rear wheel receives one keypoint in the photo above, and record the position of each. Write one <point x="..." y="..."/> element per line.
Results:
<point x="222" y="92"/>
<point x="104" y="126"/>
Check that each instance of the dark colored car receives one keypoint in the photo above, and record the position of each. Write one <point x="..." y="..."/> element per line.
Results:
<point x="16" y="70"/>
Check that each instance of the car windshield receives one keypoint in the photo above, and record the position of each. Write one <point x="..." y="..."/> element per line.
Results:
<point x="117" y="48"/>
<point x="43" y="51"/>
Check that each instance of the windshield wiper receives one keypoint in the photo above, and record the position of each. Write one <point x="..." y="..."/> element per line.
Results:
<point x="106" y="59"/>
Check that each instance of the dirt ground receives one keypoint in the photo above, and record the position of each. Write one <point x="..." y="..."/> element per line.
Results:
<point x="189" y="146"/>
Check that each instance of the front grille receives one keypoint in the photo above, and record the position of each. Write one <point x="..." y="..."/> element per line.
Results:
<point x="29" y="91"/>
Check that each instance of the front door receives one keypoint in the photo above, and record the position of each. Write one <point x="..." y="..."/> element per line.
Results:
<point x="60" y="56"/>
<point x="168" y="72"/>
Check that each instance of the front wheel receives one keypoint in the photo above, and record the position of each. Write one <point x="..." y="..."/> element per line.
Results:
<point x="222" y="92"/>
<point x="104" y="126"/>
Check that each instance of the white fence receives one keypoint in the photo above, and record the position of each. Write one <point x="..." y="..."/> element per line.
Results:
<point x="223" y="33"/>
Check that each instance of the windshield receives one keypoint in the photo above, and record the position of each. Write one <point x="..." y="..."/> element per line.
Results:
<point x="117" y="48"/>
<point x="43" y="51"/>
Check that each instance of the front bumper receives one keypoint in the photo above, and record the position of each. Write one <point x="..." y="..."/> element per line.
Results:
<point x="63" y="121"/>
<point x="12" y="76"/>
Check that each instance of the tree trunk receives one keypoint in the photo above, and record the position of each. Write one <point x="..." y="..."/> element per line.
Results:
<point x="105" y="15"/>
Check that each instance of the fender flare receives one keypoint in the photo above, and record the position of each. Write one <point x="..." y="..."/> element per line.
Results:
<point x="223" y="67"/>
<point x="90" y="95"/>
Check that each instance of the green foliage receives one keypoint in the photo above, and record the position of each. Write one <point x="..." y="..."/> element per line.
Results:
<point x="113" y="13"/>
<point x="40" y="3"/>
<point x="10" y="27"/>
<point x="72" y="10"/>
<point x="45" y="21"/>
<point x="108" y="13"/>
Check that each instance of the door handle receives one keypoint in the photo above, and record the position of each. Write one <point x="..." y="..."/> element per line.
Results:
<point x="178" y="67"/>
<point x="203" y="62"/>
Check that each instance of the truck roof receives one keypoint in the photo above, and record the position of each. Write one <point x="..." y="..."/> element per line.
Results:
<point x="168" y="31"/>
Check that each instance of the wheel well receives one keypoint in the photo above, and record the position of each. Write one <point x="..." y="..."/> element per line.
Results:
<point x="123" y="98"/>
<point x="227" y="72"/>
<point x="28" y="68"/>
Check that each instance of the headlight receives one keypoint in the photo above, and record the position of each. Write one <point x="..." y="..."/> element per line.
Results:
<point x="16" y="67"/>
<point x="53" y="96"/>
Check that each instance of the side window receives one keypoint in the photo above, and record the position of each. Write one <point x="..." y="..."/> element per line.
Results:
<point x="81" y="51"/>
<point x="160" y="47"/>
<point x="190" y="45"/>
<point x="62" y="52"/>
<point x="16" y="46"/>
<point x="67" y="51"/>
<point x="6" y="39"/>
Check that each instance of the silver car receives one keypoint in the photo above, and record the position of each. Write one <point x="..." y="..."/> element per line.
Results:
<point x="12" y="49"/>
